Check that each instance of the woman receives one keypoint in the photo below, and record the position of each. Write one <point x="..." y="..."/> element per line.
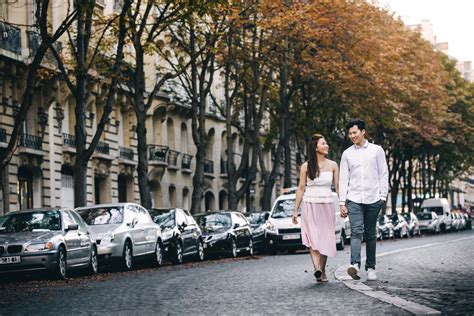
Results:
<point x="318" y="213"/>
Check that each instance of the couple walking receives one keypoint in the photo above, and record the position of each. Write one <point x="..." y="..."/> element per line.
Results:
<point x="362" y="187"/>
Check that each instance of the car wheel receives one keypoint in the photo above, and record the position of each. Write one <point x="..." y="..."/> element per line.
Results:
<point x="61" y="264"/>
<point x="127" y="256"/>
<point x="178" y="253"/>
<point x="200" y="251"/>
<point x="158" y="255"/>
<point x="342" y="241"/>
<point x="233" y="248"/>
<point x="251" y="247"/>
<point x="93" y="264"/>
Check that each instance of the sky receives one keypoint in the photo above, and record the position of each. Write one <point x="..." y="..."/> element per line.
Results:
<point x="453" y="21"/>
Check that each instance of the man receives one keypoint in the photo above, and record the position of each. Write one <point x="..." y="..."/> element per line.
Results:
<point x="363" y="188"/>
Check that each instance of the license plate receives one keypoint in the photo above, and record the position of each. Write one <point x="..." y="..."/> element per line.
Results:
<point x="291" y="236"/>
<point x="8" y="260"/>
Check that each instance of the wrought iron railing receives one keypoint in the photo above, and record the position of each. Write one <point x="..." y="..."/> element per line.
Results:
<point x="157" y="152"/>
<point x="69" y="140"/>
<point x="126" y="153"/>
<point x="31" y="141"/>
<point x="10" y="38"/>
<point x="3" y="135"/>
<point x="223" y="166"/>
<point x="34" y="41"/>
<point x="102" y="148"/>
<point x="173" y="158"/>
<point x="186" y="161"/>
<point x="208" y="166"/>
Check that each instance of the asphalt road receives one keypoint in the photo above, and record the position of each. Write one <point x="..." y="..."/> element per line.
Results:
<point x="433" y="271"/>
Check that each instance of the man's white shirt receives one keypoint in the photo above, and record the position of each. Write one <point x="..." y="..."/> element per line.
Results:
<point x="363" y="174"/>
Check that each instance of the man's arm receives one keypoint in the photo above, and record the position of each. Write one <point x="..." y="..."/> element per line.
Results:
<point x="343" y="179"/>
<point x="383" y="174"/>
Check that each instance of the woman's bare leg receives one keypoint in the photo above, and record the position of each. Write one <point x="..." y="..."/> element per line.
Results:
<point x="316" y="258"/>
<point x="322" y="262"/>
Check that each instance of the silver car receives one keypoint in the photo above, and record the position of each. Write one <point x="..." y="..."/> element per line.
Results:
<point x="429" y="222"/>
<point x="53" y="240"/>
<point x="123" y="232"/>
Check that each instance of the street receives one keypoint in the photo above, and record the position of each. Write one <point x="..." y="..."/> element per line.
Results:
<point x="434" y="272"/>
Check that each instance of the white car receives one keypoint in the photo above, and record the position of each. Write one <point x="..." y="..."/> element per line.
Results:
<point x="429" y="222"/>
<point x="282" y="234"/>
<point x="441" y="207"/>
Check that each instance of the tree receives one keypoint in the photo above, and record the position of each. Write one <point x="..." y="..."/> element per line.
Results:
<point x="89" y="42"/>
<point x="48" y="38"/>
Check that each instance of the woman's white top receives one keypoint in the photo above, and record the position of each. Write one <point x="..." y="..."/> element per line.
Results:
<point x="319" y="189"/>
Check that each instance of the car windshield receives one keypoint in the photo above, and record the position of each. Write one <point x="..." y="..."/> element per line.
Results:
<point x="102" y="215"/>
<point x="30" y="221"/>
<point x="438" y="209"/>
<point x="424" y="216"/>
<point x="165" y="220"/>
<point x="284" y="208"/>
<point x="256" y="218"/>
<point x="214" y="221"/>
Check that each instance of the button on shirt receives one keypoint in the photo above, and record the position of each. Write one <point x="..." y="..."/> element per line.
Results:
<point x="363" y="176"/>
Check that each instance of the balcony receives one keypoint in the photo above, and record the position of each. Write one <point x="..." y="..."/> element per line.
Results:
<point x="186" y="162"/>
<point x="173" y="159"/>
<point x="31" y="141"/>
<point x="10" y="38"/>
<point x="126" y="153"/>
<point x="34" y="41"/>
<point x="69" y="140"/>
<point x="158" y="154"/>
<point x="102" y="148"/>
<point x="3" y="135"/>
<point x="208" y="168"/>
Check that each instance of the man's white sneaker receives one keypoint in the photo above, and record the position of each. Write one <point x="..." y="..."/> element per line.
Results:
<point x="353" y="271"/>
<point x="371" y="276"/>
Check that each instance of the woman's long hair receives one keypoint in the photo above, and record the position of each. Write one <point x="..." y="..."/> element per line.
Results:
<point x="313" y="168"/>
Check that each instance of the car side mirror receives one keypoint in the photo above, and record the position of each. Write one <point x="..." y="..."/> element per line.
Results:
<point x="183" y="226"/>
<point x="266" y="216"/>
<point x="236" y="225"/>
<point x="72" y="227"/>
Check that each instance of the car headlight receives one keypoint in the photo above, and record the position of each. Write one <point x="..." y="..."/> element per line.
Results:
<point x="219" y="236"/>
<point x="167" y="234"/>
<point x="269" y="226"/>
<point x="39" y="247"/>
<point x="107" y="237"/>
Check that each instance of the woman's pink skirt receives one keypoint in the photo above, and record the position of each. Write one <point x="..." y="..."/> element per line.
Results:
<point x="318" y="230"/>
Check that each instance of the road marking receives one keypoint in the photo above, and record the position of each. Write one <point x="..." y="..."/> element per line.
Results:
<point x="409" y="306"/>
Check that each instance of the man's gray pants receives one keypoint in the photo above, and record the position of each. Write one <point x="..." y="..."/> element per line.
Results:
<point x="363" y="220"/>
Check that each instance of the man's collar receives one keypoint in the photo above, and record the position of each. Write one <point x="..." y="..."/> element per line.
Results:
<point x="366" y="144"/>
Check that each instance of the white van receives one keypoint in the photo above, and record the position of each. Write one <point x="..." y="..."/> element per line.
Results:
<point x="282" y="234"/>
<point x="441" y="207"/>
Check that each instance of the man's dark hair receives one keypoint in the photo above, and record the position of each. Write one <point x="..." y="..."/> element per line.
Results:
<point x="359" y="123"/>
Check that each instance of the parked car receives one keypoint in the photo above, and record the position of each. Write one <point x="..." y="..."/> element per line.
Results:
<point x="441" y="207"/>
<point x="384" y="227"/>
<point x="124" y="232"/>
<point x="180" y="233"/>
<point x="400" y="226"/>
<point x="225" y="232"/>
<point x="257" y="224"/>
<point x="282" y="234"/>
<point x="429" y="222"/>
<point x="54" y="240"/>
<point x="413" y="224"/>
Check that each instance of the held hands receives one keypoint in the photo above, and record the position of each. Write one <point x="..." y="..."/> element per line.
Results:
<point x="344" y="211"/>
<point x="295" y="218"/>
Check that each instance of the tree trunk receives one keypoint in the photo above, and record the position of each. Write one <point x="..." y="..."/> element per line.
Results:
<point x="410" y="185"/>
<point x="142" y="168"/>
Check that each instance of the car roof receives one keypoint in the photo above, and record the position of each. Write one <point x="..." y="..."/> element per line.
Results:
<point x="106" y="205"/>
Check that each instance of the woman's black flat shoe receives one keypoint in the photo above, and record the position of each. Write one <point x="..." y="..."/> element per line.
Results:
<point x="317" y="274"/>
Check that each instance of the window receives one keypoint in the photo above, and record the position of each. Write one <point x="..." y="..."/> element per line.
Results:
<point x="67" y="220"/>
<point x="189" y="218"/>
<point x="144" y="217"/>
<point x="79" y="221"/>
<point x="180" y="219"/>
<point x="240" y="219"/>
